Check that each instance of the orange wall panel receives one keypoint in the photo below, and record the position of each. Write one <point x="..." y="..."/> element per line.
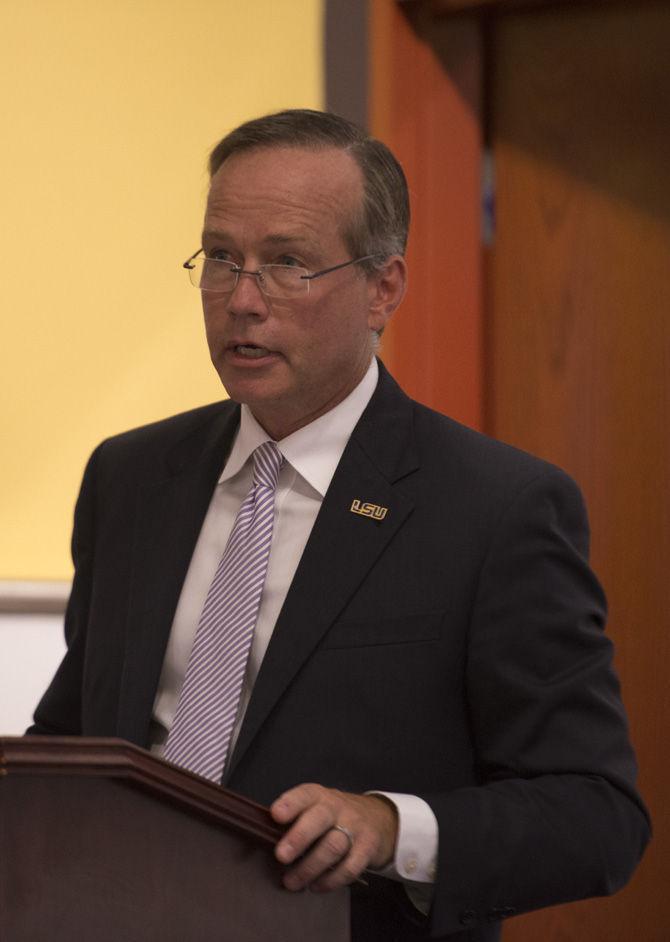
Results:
<point x="425" y="103"/>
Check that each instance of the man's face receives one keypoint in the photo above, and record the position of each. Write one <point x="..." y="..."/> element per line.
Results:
<point x="289" y="360"/>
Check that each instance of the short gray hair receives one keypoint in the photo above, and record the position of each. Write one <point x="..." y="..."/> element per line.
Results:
<point x="382" y="224"/>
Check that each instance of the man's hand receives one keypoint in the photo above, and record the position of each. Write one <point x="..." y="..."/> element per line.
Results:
<point x="326" y="857"/>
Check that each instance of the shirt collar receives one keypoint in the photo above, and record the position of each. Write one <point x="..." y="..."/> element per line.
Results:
<point x="314" y="450"/>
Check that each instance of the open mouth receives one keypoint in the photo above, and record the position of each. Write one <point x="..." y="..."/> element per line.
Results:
<point x="251" y="351"/>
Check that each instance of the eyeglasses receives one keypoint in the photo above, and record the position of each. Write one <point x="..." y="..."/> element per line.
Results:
<point x="276" y="281"/>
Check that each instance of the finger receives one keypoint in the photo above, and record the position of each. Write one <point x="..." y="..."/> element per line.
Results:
<point x="352" y="865"/>
<point x="327" y="854"/>
<point x="294" y="801"/>
<point x="311" y="825"/>
<point x="348" y="870"/>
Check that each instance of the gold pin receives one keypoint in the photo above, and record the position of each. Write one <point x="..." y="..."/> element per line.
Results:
<point x="369" y="510"/>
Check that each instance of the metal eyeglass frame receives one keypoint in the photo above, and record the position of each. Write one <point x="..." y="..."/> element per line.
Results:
<point x="258" y="274"/>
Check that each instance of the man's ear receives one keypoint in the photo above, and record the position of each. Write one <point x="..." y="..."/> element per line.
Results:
<point x="387" y="287"/>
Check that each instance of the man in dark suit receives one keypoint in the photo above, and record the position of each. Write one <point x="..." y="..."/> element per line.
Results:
<point x="429" y="630"/>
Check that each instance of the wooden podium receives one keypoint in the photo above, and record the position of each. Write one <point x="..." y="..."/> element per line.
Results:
<point x="100" y="840"/>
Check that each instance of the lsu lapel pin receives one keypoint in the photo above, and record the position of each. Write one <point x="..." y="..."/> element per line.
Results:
<point x="368" y="510"/>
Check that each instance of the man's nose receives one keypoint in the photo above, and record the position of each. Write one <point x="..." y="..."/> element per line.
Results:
<point x="247" y="297"/>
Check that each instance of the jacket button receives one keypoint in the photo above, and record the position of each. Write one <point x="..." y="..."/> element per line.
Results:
<point x="467" y="917"/>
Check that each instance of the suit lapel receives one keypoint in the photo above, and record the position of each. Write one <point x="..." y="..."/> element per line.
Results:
<point x="169" y="517"/>
<point x="342" y="547"/>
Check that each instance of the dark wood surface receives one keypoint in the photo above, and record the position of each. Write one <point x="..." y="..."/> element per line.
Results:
<point x="103" y="841"/>
<point x="460" y="7"/>
<point x="117" y="759"/>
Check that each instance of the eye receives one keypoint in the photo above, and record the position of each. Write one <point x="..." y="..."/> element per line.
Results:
<point x="289" y="260"/>
<point x="220" y="255"/>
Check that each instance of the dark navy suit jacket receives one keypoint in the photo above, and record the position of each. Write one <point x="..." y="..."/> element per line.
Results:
<point x="453" y="649"/>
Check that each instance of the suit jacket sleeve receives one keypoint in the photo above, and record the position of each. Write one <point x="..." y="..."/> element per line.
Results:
<point x="59" y="712"/>
<point x="555" y="816"/>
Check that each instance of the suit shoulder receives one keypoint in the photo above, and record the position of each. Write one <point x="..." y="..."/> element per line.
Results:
<point x="158" y="436"/>
<point x="478" y="457"/>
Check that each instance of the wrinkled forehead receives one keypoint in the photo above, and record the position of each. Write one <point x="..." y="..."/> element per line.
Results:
<point x="325" y="183"/>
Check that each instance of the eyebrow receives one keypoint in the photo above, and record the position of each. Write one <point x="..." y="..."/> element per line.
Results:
<point x="278" y="238"/>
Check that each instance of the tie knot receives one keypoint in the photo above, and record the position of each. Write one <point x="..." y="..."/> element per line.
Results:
<point x="267" y="462"/>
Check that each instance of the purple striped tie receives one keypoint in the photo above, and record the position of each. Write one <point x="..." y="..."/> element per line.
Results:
<point x="209" y="699"/>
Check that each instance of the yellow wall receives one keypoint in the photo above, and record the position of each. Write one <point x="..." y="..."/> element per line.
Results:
<point x="108" y="113"/>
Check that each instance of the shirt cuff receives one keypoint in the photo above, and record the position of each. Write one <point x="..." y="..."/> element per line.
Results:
<point x="415" y="857"/>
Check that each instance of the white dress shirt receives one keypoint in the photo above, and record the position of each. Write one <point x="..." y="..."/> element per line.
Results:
<point x="311" y="456"/>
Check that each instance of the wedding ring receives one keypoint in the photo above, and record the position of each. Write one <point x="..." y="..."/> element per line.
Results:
<point x="347" y="833"/>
